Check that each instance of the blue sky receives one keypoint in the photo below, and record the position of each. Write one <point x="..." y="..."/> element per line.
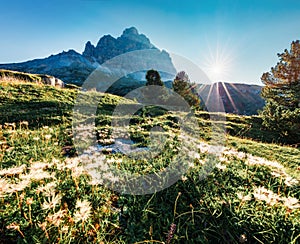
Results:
<point x="231" y="40"/>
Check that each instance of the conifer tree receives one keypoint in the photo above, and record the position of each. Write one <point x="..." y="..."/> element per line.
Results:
<point x="281" y="113"/>
<point x="185" y="88"/>
<point x="153" y="78"/>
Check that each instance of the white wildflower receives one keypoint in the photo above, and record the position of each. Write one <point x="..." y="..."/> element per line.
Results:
<point x="184" y="178"/>
<point x="13" y="170"/>
<point x="83" y="211"/>
<point x="223" y="159"/>
<point x="52" y="201"/>
<point x="289" y="181"/>
<point x="38" y="165"/>
<point x="253" y="160"/>
<point x="4" y="187"/>
<point x="78" y="171"/>
<point x="36" y="175"/>
<point x="263" y="194"/>
<point x="243" y="197"/>
<point x="203" y="147"/>
<point x="65" y="229"/>
<point x="47" y="189"/>
<point x="242" y="238"/>
<point x="56" y="218"/>
<point x="55" y="161"/>
<point x="19" y="186"/>
<point x="220" y="166"/>
<point x="291" y="202"/>
<point x="110" y="160"/>
<point x="95" y="182"/>
<point x="47" y="137"/>
<point x="111" y="177"/>
<point x="191" y="165"/>
<point x="276" y="174"/>
<point x="72" y="163"/>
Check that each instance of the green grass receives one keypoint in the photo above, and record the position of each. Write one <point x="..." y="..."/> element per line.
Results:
<point x="245" y="197"/>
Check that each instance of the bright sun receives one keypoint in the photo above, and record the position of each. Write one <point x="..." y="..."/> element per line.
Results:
<point x="217" y="69"/>
<point x="218" y="63"/>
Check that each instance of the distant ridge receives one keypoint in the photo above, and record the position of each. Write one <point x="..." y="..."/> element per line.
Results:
<point x="240" y="99"/>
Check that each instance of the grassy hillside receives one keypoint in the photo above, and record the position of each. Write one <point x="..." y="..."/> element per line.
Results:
<point x="15" y="76"/>
<point x="250" y="194"/>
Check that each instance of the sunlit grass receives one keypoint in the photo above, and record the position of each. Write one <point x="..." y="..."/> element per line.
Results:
<point x="48" y="195"/>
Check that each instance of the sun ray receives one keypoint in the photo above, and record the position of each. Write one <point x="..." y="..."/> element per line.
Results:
<point x="229" y="96"/>
<point x="240" y="93"/>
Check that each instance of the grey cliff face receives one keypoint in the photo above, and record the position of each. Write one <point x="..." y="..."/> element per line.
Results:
<point x="109" y="47"/>
<point x="89" y="49"/>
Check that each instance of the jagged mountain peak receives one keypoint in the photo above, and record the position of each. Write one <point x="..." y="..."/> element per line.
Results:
<point x="131" y="34"/>
<point x="109" y="47"/>
<point x="104" y="40"/>
<point x="89" y="49"/>
<point x="130" y="31"/>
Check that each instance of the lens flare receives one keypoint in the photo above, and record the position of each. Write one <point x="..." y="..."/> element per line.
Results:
<point x="218" y="62"/>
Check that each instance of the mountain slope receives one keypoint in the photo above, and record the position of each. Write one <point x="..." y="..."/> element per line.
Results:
<point x="237" y="98"/>
<point x="73" y="67"/>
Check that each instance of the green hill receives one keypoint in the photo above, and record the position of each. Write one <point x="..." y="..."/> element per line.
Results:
<point x="248" y="193"/>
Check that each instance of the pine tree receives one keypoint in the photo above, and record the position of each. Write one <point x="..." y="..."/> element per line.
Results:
<point x="282" y="93"/>
<point x="156" y="95"/>
<point x="185" y="88"/>
<point x="153" y="78"/>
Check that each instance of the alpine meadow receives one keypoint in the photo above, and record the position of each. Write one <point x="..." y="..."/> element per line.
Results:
<point x="126" y="142"/>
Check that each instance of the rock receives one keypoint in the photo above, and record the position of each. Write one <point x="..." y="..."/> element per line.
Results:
<point x="59" y="83"/>
<point x="48" y="80"/>
<point x="52" y="81"/>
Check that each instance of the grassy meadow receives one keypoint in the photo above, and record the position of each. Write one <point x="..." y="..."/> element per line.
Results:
<point x="47" y="195"/>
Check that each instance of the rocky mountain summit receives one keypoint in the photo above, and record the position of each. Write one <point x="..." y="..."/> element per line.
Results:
<point x="73" y="67"/>
<point x="109" y="47"/>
